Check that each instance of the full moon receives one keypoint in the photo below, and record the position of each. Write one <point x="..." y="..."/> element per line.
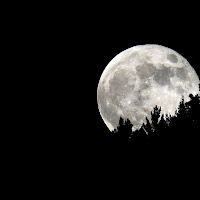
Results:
<point x="141" y="77"/>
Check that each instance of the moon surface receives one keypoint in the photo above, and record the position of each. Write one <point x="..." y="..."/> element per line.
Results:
<point x="141" y="77"/>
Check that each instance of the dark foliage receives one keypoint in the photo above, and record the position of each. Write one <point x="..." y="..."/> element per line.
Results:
<point x="180" y="131"/>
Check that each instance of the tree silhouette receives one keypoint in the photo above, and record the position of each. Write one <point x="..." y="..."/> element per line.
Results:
<point x="179" y="131"/>
<point x="168" y="118"/>
<point x="182" y="111"/>
<point x="123" y="131"/>
<point x="162" y="123"/>
<point x="155" y="115"/>
<point x="194" y="108"/>
<point x="147" y="127"/>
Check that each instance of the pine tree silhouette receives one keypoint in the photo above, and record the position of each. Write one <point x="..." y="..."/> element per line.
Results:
<point x="123" y="131"/>
<point x="170" y="132"/>
<point x="194" y="108"/>
<point x="162" y="123"/>
<point x="140" y="137"/>
<point x="182" y="111"/>
<point x="168" y="118"/>
<point x="147" y="127"/>
<point x="155" y="115"/>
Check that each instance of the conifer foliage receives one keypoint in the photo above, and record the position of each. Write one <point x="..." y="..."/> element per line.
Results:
<point x="181" y="128"/>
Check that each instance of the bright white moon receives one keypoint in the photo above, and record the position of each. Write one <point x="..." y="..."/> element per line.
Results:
<point x="141" y="77"/>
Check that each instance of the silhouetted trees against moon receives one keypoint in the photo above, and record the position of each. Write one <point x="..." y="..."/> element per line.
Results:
<point x="166" y="131"/>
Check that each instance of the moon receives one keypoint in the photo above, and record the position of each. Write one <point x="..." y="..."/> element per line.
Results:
<point x="139" y="78"/>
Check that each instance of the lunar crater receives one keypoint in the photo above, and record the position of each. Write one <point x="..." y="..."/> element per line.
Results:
<point x="145" y="70"/>
<point x="172" y="58"/>
<point x="162" y="75"/>
<point x="181" y="73"/>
